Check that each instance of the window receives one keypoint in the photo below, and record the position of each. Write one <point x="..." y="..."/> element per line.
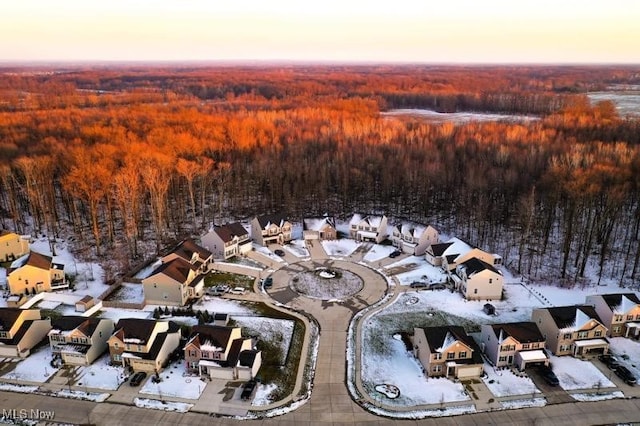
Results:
<point x="115" y="345"/>
<point x="117" y="357"/>
<point x="462" y="354"/>
<point x="502" y="359"/>
<point x="475" y="291"/>
<point x="437" y="356"/>
<point x="567" y="336"/>
<point x="598" y="333"/>
<point x="616" y="329"/>
<point x="490" y="280"/>
<point x="451" y="355"/>
<point x="617" y="318"/>
<point x="437" y="368"/>
<point x="629" y="317"/>
<point x="525" y="346"/>
<point x="564" y="348"/>
<point x="583" y="335"/>
<point x="535" y="345"/>
<point x="205" y="355"/>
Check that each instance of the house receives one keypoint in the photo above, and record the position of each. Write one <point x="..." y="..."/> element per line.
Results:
<point x="86" y="303"/>
<point x="227" y="241"/>
<point x="413" y="238"/>
<point x="445" y="254"/>
<point x="368" y="228"/>
<point x="35" y="273"/>
<point x="492" y="259"/>
<point x="173" y="283"/>
<point x="12" y="246"/>
<point x="196" y="255"/>
<point x="79" y="340"/>
<point x="572" y="330"/>
<point x="323" y="228"/>
<point x="271" y="229"/>
<point x="21" y="330"/>
<point x="518" y="344"/>
<point x="143" y="344"/>
<point x="477" y="280"/>
<point x="447" y="351"/>
<point x="619" y="312"/>
<point x="220" y="352"/>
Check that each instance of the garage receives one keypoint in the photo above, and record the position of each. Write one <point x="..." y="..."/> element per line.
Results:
<point x="532" y="358"/>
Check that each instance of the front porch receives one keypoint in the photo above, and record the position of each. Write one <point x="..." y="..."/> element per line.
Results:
<point x="590" y="348"/>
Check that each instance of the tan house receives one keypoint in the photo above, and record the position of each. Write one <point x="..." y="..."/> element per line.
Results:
<point x="619" y="312"/>
<point x="477" y="280"/>
<point x="413" y="238"/>
<point x="227" y="241"/>
<point x="323" y="228"/>
<point x="447" y="351"/>
<point x="21" y="330"/>
<point x="368" y="228"/>
<point x="191" y="252"/>
<point x="572" y="330"/>
<point x="444" y="254"/>
<point x="79" y="340"/>
<point x="518" y="344"/>
<point x="450" y="263"/>
<point x="173" y="283"/>
<point x="220" y="352"/>
<point x="12" y="246"/>
<point x="35" y="273"/>
<point x="271" y="229"/>
<point x="143" y="344"/>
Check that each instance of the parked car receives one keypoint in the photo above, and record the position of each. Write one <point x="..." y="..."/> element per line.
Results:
<point x="268" y="282"/>
<point x="437" y="286"/>
<point x="279" y="252"/>
<point x="237" y="290"/>
<point x="418" y="284"/>
<point x="626" y="375"/>
<point x="137" y="378"/>
<point x="395" y="253"/>
<point x="489" y="309"/>
<point x="548" y="375"/>
<point x="610" y="361"/>
<point x="247" y="390"/>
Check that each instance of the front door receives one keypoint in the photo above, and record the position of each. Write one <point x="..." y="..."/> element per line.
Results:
<point x="510" y="359"/>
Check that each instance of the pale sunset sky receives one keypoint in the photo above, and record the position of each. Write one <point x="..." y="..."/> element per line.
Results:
<point x="475" y="31"/>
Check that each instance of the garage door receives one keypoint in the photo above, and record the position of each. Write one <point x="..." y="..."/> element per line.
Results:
<point x="8" y="351"/>
<point x="468" y="372"/>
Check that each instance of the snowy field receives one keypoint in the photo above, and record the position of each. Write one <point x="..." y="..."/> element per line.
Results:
<point x="116" y="313"/>
<point x="422" y="272"/>
<point x="343" y="247"/>
<point x="456" y="117"/>
<point x="402" y="369"/>
<point x="180" y="407"/>
<point x="298" y="248"/>
<point x="575" y="374"/>
<point x="275" y="331"/>
<point x="220" y="306"/>
<point x="506" y="383"/>
<point x="101" y="375"/>
<point x="628" y="353"/>
<point x="35" y="368"/>
<point x="378" y="252"/>
<point x="129" y="293"/>
<point x="175" y="383"/>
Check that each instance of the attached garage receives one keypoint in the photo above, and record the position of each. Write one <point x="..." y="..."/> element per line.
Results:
<point x="526" y="359"/>
<point x="8" y="351"/>
<point x="469" y="371"/>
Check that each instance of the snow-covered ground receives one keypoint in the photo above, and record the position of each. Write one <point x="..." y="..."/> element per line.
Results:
<point x="275" y="331"/>
<point x="180" y="407"/>
<point x="175" y="383"/>
<point x="146" y="271"/>
<point x="598" y="396"/>
<point x="575" y="374"/>
<point x="627" y="351"/>
<point x="297" y="248"/>
<point x="18" y="388"/>
<point x="343" y="247"/>
<point x="220" y="306"/>
<point x="101" y="375"/>
<point x="116" y="313"/>
<point x="86" y="396"/>
<point x="506" y="383"/>
<point x="523" y="403"/>
<point x="35" y="368"/>
<point x="129" y="293"/>
<point x="401" y="369"/>
<point x="456" y="117"/>
<point x="422" y="272"/>
<point x="378" y="252"/>
<point x="262" y="394"/>
<point x="265" y="251"/>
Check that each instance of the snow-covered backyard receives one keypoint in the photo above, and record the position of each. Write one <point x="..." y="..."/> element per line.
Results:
<point x="220" y="306"/>
<point x="575" y="374"/>
<point x="506" y="383"/>
<point x="378" y="252"/>
<point x="343" y="247"/>
<point x="129" y="293"/>
<point x="275" y="331"/>
<point x="100" y="375"/>
<point x="175" y="383"/>
<point x="35" y="368"/>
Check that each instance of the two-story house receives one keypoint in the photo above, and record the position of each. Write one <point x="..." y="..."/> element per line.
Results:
<point x="413" y="238"/>
<point x="173" y="283"/>
<point x="79" y="340"/>
<point x="445" y="254"/>
<point x="518" y="344"/>
<point x="191" y="252"/>
<point x="447" y="351"/>
<point x="477" y="280"/>
<point x="620" y="313"/>
<point x="143" y="344"/>
<point x="35" y="273"/>
<point x="227" y="241"/>
<point x="321" y="228"/>
<point x="368" y="228"/>
<point x="450" y="263"/>
<point x="271" y="229"/>
<point x="572" y="330"/>
<point x="12" y="246"/>
<point x="220" y="352"/>
<point x="21" y="330"/>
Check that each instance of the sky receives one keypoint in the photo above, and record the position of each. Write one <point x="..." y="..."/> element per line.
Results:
<point x="422" y="31"/>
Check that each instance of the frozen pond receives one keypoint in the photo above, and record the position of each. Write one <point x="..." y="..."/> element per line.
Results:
<point x="455" y="117"/>
<point x="625" y="97"/>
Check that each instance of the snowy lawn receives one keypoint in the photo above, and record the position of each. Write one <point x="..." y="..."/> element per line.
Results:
<point x="219" y="306"/>
<point x="297" y="248"/>
<point x="378" y="252"/>
<point x="180" y="407"/>
<point x="423" y="272"/>
<point x="261" y="397"/>
<point x="277" y="332"/>
<point x="85" y="396"/>
<point x="265" y="251"/>
<point x="128" y="292"/>
<point x="576" y="374"/>
<point x="35" y="368"/>
<point x="101" y="375"/>
<point x="400" y="368"/>
<point x="628" y="353"/>
<point x="343" y="247"/>
<point x="175" y="383"/>
<point x="116" y="313"/>
<point x="506" y="383"/>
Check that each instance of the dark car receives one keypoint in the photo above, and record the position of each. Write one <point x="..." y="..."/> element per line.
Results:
<point x="395" y="253"/>
<point x="626" y="375"/>
<point x="548" y="375"/>
<point x="247" y="390"/>
<point x="137" y="378"/>
<point x="279" y="252"/>
<point x="268" y="282"/>
<point x="418" y="284"/>
<point x="610" y="361"/>
<point x="437" y="286"/>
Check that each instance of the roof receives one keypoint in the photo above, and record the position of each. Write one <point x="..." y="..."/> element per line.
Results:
<point x="177" y="269"/>
<point x="439" y="249"/>
<point x="440" y="338"/>
<point x="415" y="230"/>
<point x="37" y="260"/>
<point x="86" y="325"/>
<point x="4" y="232"/>
<point x="135" y="328"/>
<point x="85" y="299"/>
<point x="215" y="335"/>
<point x="19" y="334"/>
<point x="266" y="220"/>
<point x="317" y="224"/>
<point x="457" y="247"/>
<point x="373" y="221"/>
<point x="534" y="355"/>
<point x="234" y="352"/>
<point x="571" y="318"/>
<point x="230" y="230"/>
<point x="188" y="247"/>
<point x="248" y="357"/>
<point x="523" y="332"/>
<point x="621" y="302"/>
<point x="475" y="265"/>
<point x="8" y="317"/>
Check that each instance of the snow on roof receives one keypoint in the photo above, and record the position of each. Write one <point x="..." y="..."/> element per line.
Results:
<point x="316" y="224"/>
<point x="368" y="234"/>
<point x="578" y="323"/>
<point x="19" y="262"/>
<point x="449" y="340"/>
<point x="625" y="305"/>
<point x="208" y="363"/>
<point x="374" y="221"/>
<point x="413" y="229"/>
<point x="457" y="247"/>
<point x="535" y="355"/>
<point x="355" y="219"/>
<point x="590" y="342"/>
<point x="130" y="355"/>
<point x="132" y="340"/>
<point x="207" y="345"/>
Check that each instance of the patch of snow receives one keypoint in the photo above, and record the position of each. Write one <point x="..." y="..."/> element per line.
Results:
<point x="342" y="247"/>
<point x="378" y="252"/>
<point x="276" y="331"/>
<point x="18" y="388"/>
<point x="146" y="271"/>
<point x="265" y="251"/>
<point x="176" y="383"/>
<point x="35" y="368"/>
<point x="586" y="397"/>
<point x="180" y="407"/>
<point x="628" y="353"/>
<point x="575" y="374"/>
<point x="48" y="304"/>
<point x="523" y="403"/>
<point x="505" y="383"/>
<point x="297" y="248"/>
<point x="262" y="394"/>
<point x="116" y="313"/>
<point x="101" y="375"/>
<point x="421" y="414"/>
<point x="455" y="117"/>
<point x="221" y="306"/>
<point x="85" y="396"/>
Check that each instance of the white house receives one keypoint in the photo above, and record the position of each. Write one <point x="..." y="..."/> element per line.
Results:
<point x="368" y="228"/>
<point x="413" y="238"/>
<point x="227" y="241"/>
